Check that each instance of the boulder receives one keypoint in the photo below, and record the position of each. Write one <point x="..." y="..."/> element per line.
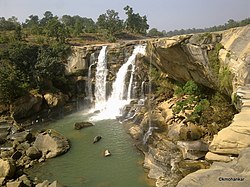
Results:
<point x="4" y="132"/>
<point x="107" y="153"/>
<point x="7" y="168"/>
<point x="136" y="132"/>
<point x="97" y="139"/>
<point x="43" y="184"/>
<point x="191" y="132"/>
<point x="55" y="184"/>
<point x="235" y="173"/>
<point x="56" y="99"/>
<point x="2" y="179"/>
<point x="33" y="153"/>
<point x="193" y="149"/>
<point x="16" y="155"/>
<point x="80" y="125"/>
<point x="51" y="143"/>
<point x="21" y="136"/>
<point x="25" y="180"/>
<point x="217" y="158"/>
<point x="14" y="184"/>
<point x="26" y="106"/>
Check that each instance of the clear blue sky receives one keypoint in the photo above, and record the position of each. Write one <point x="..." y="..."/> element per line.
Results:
<point x="162" y="14"/>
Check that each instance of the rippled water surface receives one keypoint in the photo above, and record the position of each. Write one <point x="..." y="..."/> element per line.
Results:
<point x="84" y="164"/>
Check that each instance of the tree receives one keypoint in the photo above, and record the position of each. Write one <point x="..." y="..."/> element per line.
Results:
<point x="49" y="67"/>
<point x="33" y="24"/>
<point x="110" y="22"/>
<point x="54" y="28"/>
<point x="9" y="24"/>
<point x="134" y="22"/>
<point x="47" y="16"/>
<point x="11" y="87"/>
<point x="154" y="32"/>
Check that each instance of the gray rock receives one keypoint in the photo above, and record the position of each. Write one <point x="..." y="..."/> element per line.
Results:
<point x="51" y="143"/>
<point x="80" y="125"/>
<point x="235" y="174"/>
<point x="97" y="139"/>
<point x="193" y="149"/>
<point x="33" y="153"/>
<point x="21" y="136"/>
<point x="16" y="155"/>
<point x="25" y="106"/>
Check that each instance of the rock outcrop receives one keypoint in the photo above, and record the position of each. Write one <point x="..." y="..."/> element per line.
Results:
<point x="186" y="57"/>
<point x="26" y="106"/>
<point x="56" y="99"/>
<point x="235" y="173"/>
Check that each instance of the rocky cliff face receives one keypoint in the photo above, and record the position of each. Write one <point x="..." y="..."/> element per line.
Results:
<point x="211" y="59"/>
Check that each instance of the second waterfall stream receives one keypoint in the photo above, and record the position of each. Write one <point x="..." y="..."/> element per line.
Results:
<point x="121" y="94"/>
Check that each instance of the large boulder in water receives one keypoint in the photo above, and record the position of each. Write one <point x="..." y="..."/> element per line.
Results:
<point x="51" y="143"/>
<point x="80" y="125"/>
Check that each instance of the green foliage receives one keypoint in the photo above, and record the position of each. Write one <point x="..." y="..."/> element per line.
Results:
<point x="54" y="28"/>
<point x="110" y="22"/>
<point x="9" y="24"/>
<point x="190" y="88"/>
<point x="213" y="58"/>
<point x="155" y="33"/>
<point x="25" y="67"/>
<point x="159" y="80"/>
<point x="225" y="78"/>
<point x="134" y="22"/>
<point x="11" y="86"/>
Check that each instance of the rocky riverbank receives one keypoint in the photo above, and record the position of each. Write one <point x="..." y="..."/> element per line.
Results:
<point x="22" y="149"/>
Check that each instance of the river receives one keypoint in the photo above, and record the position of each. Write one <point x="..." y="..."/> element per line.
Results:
<point x="85" y="165"/>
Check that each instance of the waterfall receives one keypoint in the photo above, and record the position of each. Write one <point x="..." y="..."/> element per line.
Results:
<point x="100" y="79"/>
<point x="120" y="96"/>
<point x="131" y="81"/>
<point x="142" y="90"/>
<point x="150" y="127"/>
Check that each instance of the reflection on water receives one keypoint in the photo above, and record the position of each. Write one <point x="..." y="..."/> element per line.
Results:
<point x="84" y="164"/>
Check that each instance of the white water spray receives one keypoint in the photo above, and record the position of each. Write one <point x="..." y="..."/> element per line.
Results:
<point x="120" y="95"/>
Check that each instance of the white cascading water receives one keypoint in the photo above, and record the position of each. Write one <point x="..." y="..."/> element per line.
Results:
<point x="100" y="80"/>
<point x="120" y="96"/>
<point x="150" y="127"/>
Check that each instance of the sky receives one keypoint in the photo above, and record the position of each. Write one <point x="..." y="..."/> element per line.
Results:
<point x="161" y="14"/>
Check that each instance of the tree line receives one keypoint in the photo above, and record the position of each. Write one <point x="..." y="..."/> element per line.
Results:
<point x="67" y="26"/>
<point x="230" y="24"/>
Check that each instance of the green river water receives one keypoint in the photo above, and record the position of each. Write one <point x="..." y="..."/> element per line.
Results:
<point x="85" y="165"/>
